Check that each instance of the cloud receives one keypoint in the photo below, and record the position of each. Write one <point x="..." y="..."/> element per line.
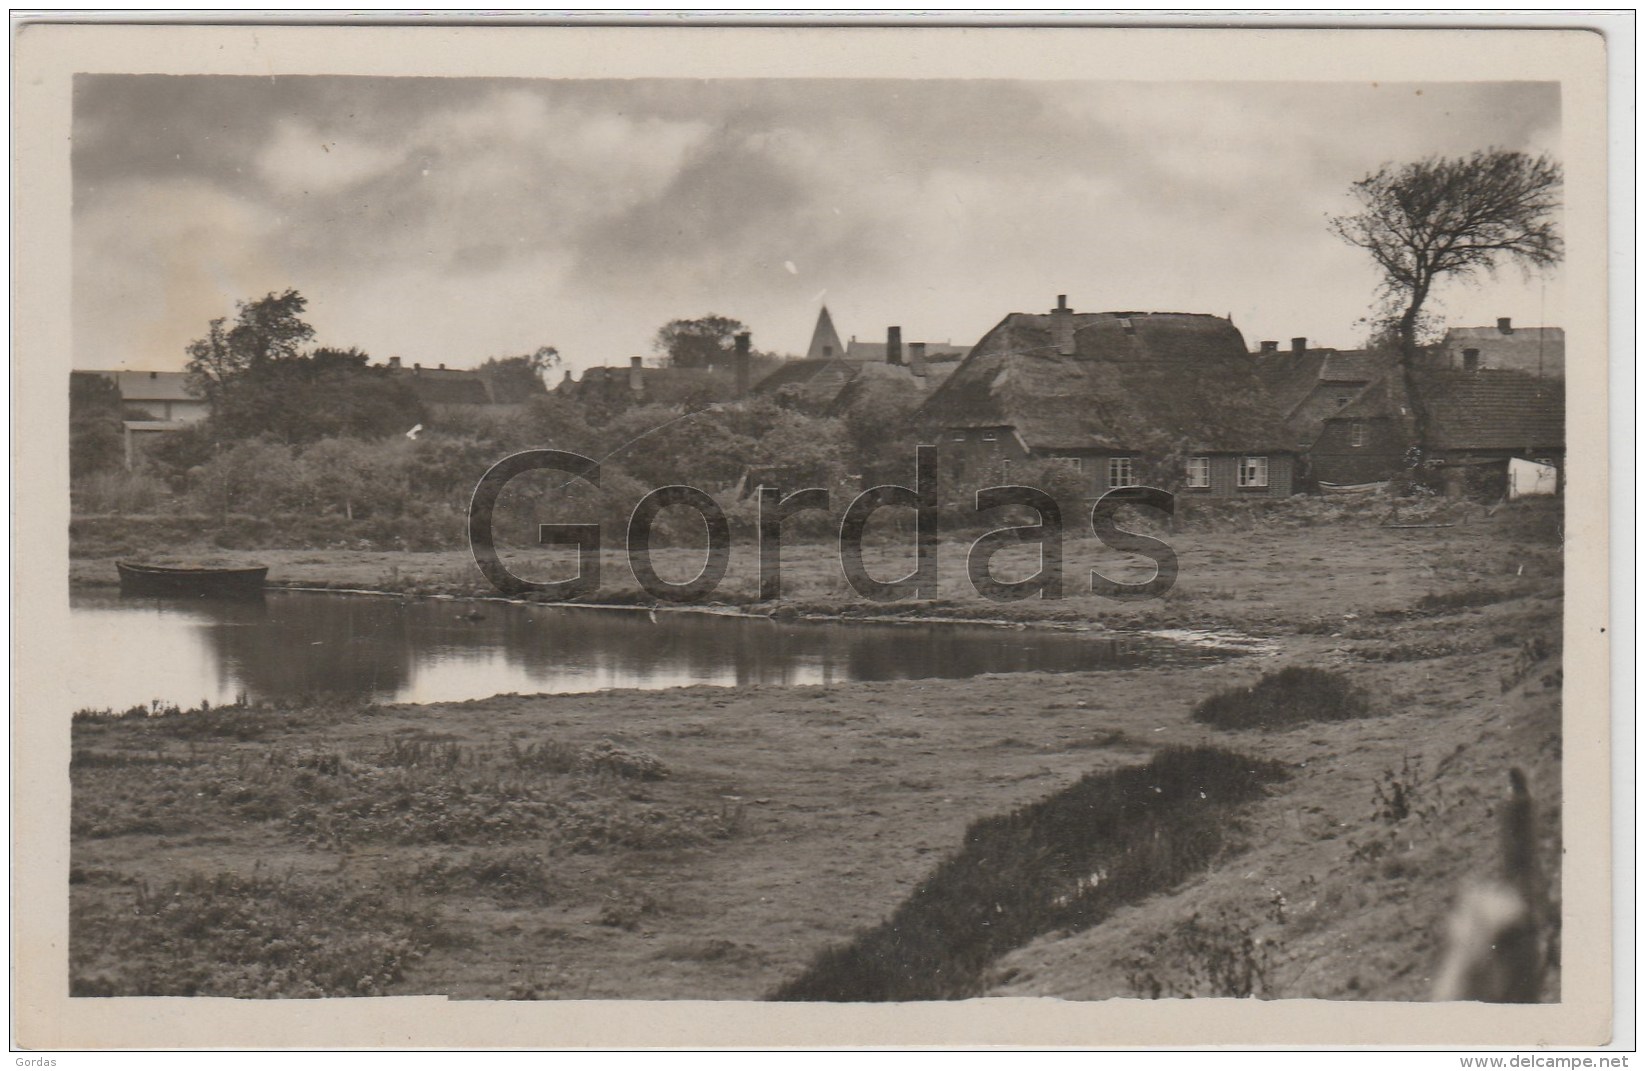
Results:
<point x="301" y="159"/>
<point x="451" y="219"/>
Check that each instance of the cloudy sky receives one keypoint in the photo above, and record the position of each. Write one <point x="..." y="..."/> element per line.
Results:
<point x="448" y="220"/>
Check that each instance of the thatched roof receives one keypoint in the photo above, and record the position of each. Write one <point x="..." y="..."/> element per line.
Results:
<point x="446" y="386"/>
<point x="1136" y="381"/>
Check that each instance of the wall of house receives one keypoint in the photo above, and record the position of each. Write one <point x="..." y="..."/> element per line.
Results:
<point x="1225" y="478"/>
<point x="1322" y="402"/>
<point x="1334" y="458"/>
<point x="184" y="411"/>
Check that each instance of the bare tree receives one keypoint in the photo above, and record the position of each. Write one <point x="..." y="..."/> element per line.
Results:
<point x="1444" y="218"/>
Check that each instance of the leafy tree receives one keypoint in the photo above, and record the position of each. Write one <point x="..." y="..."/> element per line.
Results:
<point x="303" y="398"/>
<point x="1444" y="218"/>
<point x="707" y="341"/>
<point x="518" y="378"/>
<point x="260" y="382"/>
<point x="265" y="330"/>
<point x="96" y="431"/>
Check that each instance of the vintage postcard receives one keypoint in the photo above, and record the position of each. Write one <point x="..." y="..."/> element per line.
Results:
<point x="846" y="536"/>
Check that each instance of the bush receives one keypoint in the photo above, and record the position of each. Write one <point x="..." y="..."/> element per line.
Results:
<point x="118" y="491"/>
<point x="1293" y="696"/>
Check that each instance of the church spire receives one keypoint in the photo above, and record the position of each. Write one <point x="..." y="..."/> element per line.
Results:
<point x="825" y="341"/>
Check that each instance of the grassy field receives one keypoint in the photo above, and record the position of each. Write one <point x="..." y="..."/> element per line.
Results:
<point x="755" y="842"/>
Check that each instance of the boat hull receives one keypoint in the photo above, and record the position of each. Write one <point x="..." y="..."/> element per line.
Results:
<point x="196" y="582"/>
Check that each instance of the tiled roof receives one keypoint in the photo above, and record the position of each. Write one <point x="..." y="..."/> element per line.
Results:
<point x="1494" y="409"/>
<point x="1489" y="409"/>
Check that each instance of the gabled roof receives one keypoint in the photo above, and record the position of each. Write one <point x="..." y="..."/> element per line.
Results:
<point x="799" y="373"/>
<point x="446" y="386"/>
<point x="151" y="386"/>
<point x="877" y="381"/>
<point x="1350" y="366"/>
<point x="1489" y="409"/>
<point x="1494" y="409"/>
<point x="1136" y="381"/>
<point x="875" y="351"/>
<point x="1521" y="335"/>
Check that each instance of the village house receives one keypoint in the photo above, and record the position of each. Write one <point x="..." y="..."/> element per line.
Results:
<point x="817" y="383"/>
<point x="1538" y="351"/>
<point x="1478" y="421"/>
<point x="636" y="384"/>
<point x="1123" y="398"/>
<point x="153" y="404"/>
<point x="446" y="390"/>
<point x="1312" y="383"/>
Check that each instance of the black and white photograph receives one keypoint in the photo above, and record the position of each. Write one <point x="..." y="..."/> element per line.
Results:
<point x="1093" y="528"/>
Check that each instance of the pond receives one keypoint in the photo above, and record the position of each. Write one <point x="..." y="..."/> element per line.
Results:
<point x="129" y="651"/>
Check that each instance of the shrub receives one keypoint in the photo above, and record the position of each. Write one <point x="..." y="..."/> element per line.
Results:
<point x="118" y="491"/>
<point x="1295" y="695"/>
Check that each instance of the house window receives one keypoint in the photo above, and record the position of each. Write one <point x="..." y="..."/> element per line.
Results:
<point x="1119" y="472"/>
<point x="1356" y="434"/>
<point x="1199" y="472"/>
<point x="1342" y="400"/>
<point x="958" y="436"/>
<point x="1072" y="463"/>
<point x="1470" y="360"/>
<point x="989" y="437"/>
<point x="1005" y="468"/>
<point x="1253" y="472"/>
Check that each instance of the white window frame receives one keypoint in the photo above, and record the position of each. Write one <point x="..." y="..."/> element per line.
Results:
<point x="958" y="436"/>
<point x="1356" y="433"/>
<point x="989" y="437"/>
<point x="1253" y="471"/>
<point x="1202" y="479"/>
<point x="1121" y="472"/>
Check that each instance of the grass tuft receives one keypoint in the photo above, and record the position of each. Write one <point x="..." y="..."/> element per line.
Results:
<point x="1293" y="696"/>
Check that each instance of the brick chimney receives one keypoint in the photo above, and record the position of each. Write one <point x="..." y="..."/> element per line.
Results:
<point x="893" y="345"/>
<point x="394" y="363"/>
<point x="1062" y="327"/>
<point x="1299" y="345"/>
<point x="916" y="358"/>
<point x="1505" y="325"/>
<point x="636" y="378"/>
<point x="442" y="366"/>
<point x="742" y="363"/>
<point x="1269" y="346"/>
<point x="415" y="368"/>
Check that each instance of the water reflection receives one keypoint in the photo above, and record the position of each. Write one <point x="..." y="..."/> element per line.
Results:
<point x="412" y="650"/>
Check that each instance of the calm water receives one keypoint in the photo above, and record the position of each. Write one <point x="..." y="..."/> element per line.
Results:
<point x="131" y="650"/>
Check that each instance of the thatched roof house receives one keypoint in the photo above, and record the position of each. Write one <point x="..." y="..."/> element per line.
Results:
<point x="1171" y="399"/>
<point x="1310" y="384"/>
